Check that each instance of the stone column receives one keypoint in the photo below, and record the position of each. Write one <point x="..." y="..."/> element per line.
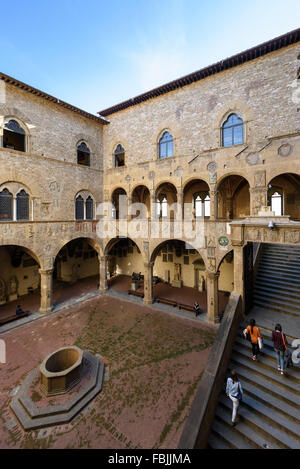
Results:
<point x="46" y="290"/>
<point x="213" y="194"/>
<point x="238" y="269"/>
<point x="129" y="203"/>
<point x="179" y="214"/>
<point x="102" y="273"/>
<point x="152" y="205"/>
<point x="148" y="283"/>
<point x="212" y="297"/>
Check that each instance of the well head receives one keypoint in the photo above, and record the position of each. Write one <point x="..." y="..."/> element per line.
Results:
<point x="60" y="371"/>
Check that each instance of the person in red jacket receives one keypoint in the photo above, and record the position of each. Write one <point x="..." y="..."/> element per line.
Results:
<point x="280" y="346"/>
<point x="254" y="334"/>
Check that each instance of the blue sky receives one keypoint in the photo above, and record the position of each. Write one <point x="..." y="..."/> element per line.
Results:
<point x="95" y="53"/>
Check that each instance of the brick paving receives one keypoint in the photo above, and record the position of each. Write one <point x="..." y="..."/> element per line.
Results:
<point x="155" y="363"/>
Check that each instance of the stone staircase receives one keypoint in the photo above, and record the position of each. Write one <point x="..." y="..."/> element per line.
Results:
<point x="277" y="285"/>
<point x="270" y="410"/>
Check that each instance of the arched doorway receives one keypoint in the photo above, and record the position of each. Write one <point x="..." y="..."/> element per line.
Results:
<point x="141" y="195"/>
<point x="76" y="270"/>
<point x="196" y="194"/>
<point x="125" y="266"/>
<point x="19" y="279"/>
<point x="165" y="198"/>
<point x="284" y="195"/>
<point x="233" y="198"/>
<point x="119" y="201"/>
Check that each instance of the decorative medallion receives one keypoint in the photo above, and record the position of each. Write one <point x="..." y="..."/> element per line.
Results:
<point x="285" y="150"/>
<point x="253" y="159"/>
<point x="212" y="167"/>
<point x="223" y="241"/>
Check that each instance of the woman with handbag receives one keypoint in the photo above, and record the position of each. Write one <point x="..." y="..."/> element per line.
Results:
<point x="255" y="337"/>
<point x="280" y="346"/>
<point x="235" y="392"/>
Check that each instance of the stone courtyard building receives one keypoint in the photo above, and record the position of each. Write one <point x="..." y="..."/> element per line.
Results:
<point x="218" y="149"/>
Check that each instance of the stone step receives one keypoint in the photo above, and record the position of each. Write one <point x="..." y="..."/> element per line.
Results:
<point x="280" y="266"/>
<point x="258" y="421"/>
<point x="292" y="303"/>
<point x="277" y="273"/>
<point x="230" y="436"/>
<point x="214" y="442"/>
<point x="248" y="433"/>
<point x="283" y="260"/>
<point x="270" y="400"/>
<point x="265" y="372"/>
<point x="277" y="282"/>
<point x="277" y="390"/>
<point x="278" y="291"/>
<point x="271" y="306"/>
<point x="266" y="360"/>
<point x="282" y="247"/>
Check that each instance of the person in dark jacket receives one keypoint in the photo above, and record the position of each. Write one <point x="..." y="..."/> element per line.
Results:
<point x="280" y="346"/>
<point x="19" y="310"/>
<point x="196" y="308"/>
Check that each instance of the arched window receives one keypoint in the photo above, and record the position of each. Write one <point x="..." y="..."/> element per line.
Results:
<point x="6" y="205"/>
<point x="119" y="156"/>
<point x="276" y="204"/>
<point x="79" y="208"/>
<point x="166" y="146"/>
<point x="232" y="131"/>
<point x="22" y="205"/>
<point x="89" y="208"/>
<point x="162" y="206"/>
<point x="207" y="206"/>
<point x="198" y="206"/>
<point x="13" y="136"/>
<point x="83" y="154"/>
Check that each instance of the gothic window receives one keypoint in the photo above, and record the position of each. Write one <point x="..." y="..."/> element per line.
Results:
<point x="22" y="205"/>
<point x="166" y="146"/>
<point x="198" y="206"/>
<point x="89" y="208"/>
<point x="202" y="205"/>
<point x="6" y="205"/>
<point x="162" y="206"/>
<point x="119" y="156"/>
<point x="207" y="206"/>
<point x="79" y="208"/>
<point x="232" y="131"/>
<point x="13" y="136"/>
<point x="83" y="154"/>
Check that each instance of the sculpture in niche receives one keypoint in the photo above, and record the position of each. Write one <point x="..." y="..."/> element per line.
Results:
<point x="12" y="288"/>
<point x="177" y="282"/>
<point x="260" y="179"/>
<point x="2" y="292"/>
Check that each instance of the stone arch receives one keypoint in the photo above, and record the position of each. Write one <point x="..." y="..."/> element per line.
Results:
<point x="63" y="243"/>
<point x="27" y="249"/>
<point x="194" y="178"/>
<point x="113" y="241"/>
<point x="15" y="187"/>
<point x="159" y="245"/>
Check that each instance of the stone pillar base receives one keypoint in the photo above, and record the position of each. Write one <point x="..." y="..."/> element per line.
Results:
<point x="45" y="310"/>
<point x="147" y="301"/>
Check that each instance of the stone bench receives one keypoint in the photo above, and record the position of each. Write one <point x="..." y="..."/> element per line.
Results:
<point x="159" y="299"/>
<point x="11" y="318"/>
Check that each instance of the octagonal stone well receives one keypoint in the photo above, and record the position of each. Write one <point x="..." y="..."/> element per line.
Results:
<point x="60" y="371"/>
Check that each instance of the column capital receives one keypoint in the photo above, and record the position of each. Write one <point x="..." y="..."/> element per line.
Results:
<point x="213" y="275"/>
<point x="102" y="257"/>
<point x="46" y="271"/>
